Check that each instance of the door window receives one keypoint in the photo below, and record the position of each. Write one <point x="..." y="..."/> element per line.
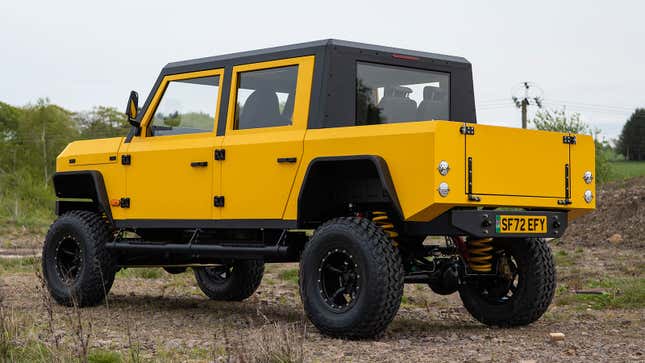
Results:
<point x="265" y="98"/>
<point x="187" y="106"/>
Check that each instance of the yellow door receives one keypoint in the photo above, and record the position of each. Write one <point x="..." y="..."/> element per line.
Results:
<point x="266" y="124"/>
<point x="172" y="165"/>
<point x="516" y="162"/>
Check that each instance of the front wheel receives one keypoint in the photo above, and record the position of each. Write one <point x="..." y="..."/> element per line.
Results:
<point x="77" y="267"/>
<point x="351" y="279"/>
<point x="519" y="291"/>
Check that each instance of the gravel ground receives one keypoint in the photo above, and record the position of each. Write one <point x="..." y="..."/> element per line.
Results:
<point x="169" y="319"/>
<point x="165" y="317"/>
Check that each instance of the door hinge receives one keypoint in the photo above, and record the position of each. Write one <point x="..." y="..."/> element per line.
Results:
<point x="471" y="197"/>
<point x="220" y="154"/>
<point x="568" y="139"/>
<point x="126" y="159"/>
<point x="124" y="203"/>
<point x="567" y="190"/>
<point x="218" y="200"/>
<point x="467" y="130"/>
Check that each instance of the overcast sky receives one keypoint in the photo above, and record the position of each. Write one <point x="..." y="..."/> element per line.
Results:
<point x="587" y="55"/>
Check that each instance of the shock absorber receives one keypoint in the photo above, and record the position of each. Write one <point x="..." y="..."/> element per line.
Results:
<point x="382" y="220"/>
<point x="480" y="255"/>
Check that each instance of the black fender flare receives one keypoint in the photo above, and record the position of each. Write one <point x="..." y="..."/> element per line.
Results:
<point x="85" y="184"/>
<point x="377" y="162"/>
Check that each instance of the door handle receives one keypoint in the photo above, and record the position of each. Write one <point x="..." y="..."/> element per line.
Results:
<point x="198" y="164"/>
<point x="287" y="160"/>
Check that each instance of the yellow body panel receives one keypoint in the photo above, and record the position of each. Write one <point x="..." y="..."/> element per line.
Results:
<point x="162" y="184"/>
<point x="254" y="184"/>
<point x="413" y="151"/>
<point x="512" y="168"/>
<point x="508" y="162"/>
<point x="98" y="150"/>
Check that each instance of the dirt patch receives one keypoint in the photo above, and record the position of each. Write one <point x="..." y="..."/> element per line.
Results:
<point x="12" y="237"/>
<point x="168" y="319"/>
<point x="618" y="220"/>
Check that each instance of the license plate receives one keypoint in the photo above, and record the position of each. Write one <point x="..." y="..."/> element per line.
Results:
<point x="521" y="224"/>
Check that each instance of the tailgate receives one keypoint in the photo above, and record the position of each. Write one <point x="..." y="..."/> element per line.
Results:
<point x="516" y="162"/>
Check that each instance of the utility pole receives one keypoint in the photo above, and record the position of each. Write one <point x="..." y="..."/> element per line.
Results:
<point x="532" y="95"/>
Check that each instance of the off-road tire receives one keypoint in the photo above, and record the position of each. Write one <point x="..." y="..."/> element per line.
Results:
<point x="245" y="277"/>
<point x="90" y="232"/>
<point x="381" y="286"/>
<point x="535" y="289"/>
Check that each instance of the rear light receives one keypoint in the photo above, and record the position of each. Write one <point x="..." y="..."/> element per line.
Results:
<point x="406" y="57"/>
<point x="443" y="189"/>
<point x="443" y="168"/>
<point x="588" y="177"/>
<point x="588" y="196"/>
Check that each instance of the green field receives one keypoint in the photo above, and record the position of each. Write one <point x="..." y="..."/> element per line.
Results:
<point x="627" y="169"/>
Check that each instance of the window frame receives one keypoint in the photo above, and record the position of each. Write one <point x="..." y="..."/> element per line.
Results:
<point x="302" y="96"/>
<point x="161" y="90"/>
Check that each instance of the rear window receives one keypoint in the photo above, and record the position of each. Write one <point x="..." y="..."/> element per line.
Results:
<point x="390" y="94"/>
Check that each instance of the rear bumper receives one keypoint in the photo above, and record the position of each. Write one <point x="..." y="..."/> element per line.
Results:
<point x="482" y="223"/>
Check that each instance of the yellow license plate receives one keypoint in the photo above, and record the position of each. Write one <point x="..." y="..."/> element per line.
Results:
<point x="521" y="224"/>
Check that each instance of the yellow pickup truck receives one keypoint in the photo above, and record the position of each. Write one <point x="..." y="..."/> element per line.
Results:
<point x="341" y="156"/>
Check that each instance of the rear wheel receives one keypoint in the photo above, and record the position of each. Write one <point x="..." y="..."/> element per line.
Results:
<point x="521" y="289"/>
<point x="234" y="281"/>
<point x="77" y="267"/>
<point x="351" y="279"/>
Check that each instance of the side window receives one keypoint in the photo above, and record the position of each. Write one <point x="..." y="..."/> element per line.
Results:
<point x="390" y="94"/>
<point x="265" y="98"/>
<point x="187" y="106"/>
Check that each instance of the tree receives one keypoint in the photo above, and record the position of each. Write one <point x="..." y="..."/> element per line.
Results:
<point x="101" y="122"/>
<point x="558" y="120"/>
<point x="632" y="140"/>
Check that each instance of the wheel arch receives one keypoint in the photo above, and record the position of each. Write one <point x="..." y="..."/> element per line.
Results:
<point x="331" y="182"/>
<point x="88" y="185"/>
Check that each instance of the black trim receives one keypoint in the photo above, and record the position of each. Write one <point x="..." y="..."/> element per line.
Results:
<point x="332" y="101"/>
<point x="308" y="200"/>
<point x="205" y="223"/>
<point x="195" y="251"/>
<point x="81" y="184"/>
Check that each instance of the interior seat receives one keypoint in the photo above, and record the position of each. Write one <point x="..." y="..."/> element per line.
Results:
<point x="396" y="105"/>
<point x="435" y="104"/>
<point x="261" y="109"/>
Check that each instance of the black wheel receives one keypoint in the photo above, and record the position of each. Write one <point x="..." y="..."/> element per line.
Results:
<point x="77" y="267"/>
<point x="351" y="279"/>
<point x="234" y="281"/>
<point x="522" y="288"/>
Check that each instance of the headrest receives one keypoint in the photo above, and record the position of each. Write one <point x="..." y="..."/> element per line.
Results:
<point x="397" y="91"/>
<point x="433" y="93"/>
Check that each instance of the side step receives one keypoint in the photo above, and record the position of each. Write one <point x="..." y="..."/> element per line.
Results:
<point x="139" y="253"/>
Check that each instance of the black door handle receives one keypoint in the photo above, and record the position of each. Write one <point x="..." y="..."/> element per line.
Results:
<point x="287" y="160"/>
<point x="196" y="164"/>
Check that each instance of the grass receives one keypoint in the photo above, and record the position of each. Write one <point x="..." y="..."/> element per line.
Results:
<point x="290" y="275"/>
<point x="141" y="272"/>
<point x="562" y="258"/>
<point x="104" y="356"/>
<point x="18" y="265"/>
<point x="627" y="169"/>
<point x="616" y="293"/>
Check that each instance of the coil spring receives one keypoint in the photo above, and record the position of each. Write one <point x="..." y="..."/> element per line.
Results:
<point x="480" y="255"/>
<point x="382" y="220"/>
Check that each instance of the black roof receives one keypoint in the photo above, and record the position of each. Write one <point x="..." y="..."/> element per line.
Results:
<point x="290" y="50"/>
